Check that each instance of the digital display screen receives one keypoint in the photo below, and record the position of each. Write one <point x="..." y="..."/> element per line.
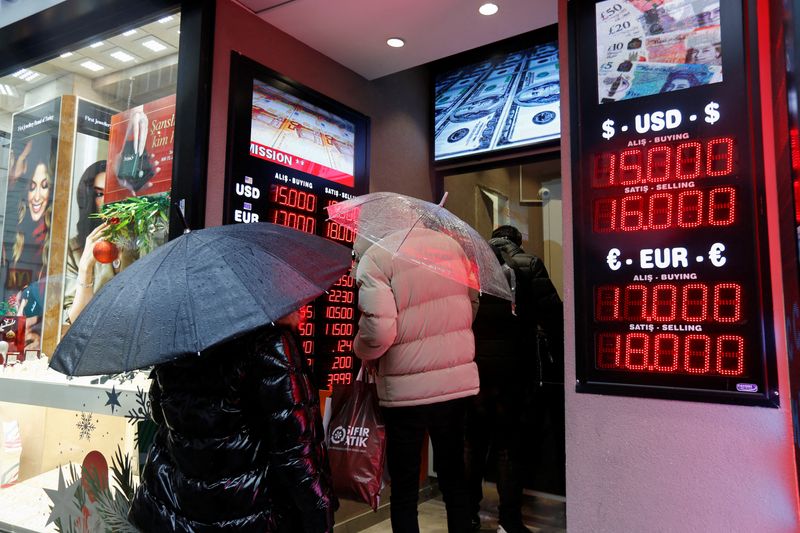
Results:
<point x="671" y="276"/>
<point x="300" y="136"/>
<point x="297" y="153"/>
<point x="648" y="47"/>
<point x="504" y="101"/>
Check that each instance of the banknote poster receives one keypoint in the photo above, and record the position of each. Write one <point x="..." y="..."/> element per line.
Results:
<point x="295" y="134"/>
<point x="509" y="101"/>
<point x="648" y="47"/>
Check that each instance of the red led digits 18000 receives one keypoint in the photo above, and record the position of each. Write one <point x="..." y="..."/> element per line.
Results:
<point x="694" y="353"/>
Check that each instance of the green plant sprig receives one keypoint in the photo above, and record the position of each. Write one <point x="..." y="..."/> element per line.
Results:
<point x="130" y="219"/>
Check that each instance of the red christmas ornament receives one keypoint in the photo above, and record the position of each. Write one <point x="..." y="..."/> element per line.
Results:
<point x="105" y="251"/>
<point x="95" y="467"/>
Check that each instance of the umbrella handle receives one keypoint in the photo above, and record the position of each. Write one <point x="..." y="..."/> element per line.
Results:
<point x="179" y="208"/>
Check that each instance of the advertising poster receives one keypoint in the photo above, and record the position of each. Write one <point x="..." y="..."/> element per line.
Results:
<point x="298" y="135"/>
<point x="28" y="212"/>
<point x="648" y="47"/>
<point x="140" y="150"/>
<point x="88" y="187"/>
<point x="510" y="101"/>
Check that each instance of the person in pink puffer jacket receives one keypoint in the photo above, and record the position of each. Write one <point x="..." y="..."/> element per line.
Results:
<point x="416" y="331"/>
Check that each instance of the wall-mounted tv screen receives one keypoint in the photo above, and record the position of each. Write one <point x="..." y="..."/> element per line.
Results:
<point x="496" y="99"/>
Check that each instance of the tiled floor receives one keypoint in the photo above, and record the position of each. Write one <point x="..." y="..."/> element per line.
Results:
<point x="540" y="515"/>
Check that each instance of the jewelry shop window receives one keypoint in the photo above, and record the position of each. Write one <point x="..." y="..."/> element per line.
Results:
<point x="86" y="154"/>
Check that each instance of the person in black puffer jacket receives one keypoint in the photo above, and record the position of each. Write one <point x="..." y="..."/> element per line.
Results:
<point x="505" y="351"/>
<point x="239" y="445"/>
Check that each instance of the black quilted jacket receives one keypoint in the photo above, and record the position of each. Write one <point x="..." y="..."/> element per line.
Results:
<point x="505" y="339"/>
<point x="239" y="445"/>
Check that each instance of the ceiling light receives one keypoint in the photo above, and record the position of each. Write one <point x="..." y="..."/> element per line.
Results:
<point x="91" y="65"/>
<point x="165" y="19"/>
<point x="66" y="54"/>
<point x="98" y="44"/>
<point x="395" y="42"/>
<point x="26" y="75"/>
<point x="7" y="90"/>
<point x="154" y="45"/>
<point x="119" y="55"/>
<point x="128" y="33"/>
<point x="488" y="9"/>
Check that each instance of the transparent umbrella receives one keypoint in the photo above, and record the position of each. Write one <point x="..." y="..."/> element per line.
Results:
<point x="387" y="219"/>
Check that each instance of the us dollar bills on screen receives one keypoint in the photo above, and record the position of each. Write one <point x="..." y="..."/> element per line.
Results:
<point x="472" y="125"/>
<point x="513" y="101"/>
<point x="533" y="113"/>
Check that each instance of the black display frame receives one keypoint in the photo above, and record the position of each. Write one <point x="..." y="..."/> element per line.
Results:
<point x="741" y="67"/>
<point x="239" y="163"/>
<point x="476" y="55"/>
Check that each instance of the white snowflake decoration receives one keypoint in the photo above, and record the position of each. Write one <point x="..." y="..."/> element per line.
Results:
<point x="86" y="426"/>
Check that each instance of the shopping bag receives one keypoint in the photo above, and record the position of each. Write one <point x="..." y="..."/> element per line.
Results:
<point x="357" y="442"/>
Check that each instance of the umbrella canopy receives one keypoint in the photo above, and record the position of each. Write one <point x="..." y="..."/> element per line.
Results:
<point x="386" y="219"/>
<point x="198" y="290"/>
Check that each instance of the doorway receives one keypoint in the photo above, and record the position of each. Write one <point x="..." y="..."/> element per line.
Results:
<point x="529" y="197"/>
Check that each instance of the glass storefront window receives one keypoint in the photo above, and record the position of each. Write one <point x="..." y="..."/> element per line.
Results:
<point x="86" y="153"/>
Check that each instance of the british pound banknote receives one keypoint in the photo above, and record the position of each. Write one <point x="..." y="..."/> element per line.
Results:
<point x="649" y="46"/>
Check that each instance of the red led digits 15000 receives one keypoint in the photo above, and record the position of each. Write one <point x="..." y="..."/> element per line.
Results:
<point x="293" y="198"/>
<point x="665" y="163"/>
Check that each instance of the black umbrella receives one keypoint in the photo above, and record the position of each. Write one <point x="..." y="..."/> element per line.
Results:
<point x="196" y="291"/>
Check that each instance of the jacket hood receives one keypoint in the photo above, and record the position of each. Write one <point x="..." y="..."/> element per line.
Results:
<point x="503" y="244"/>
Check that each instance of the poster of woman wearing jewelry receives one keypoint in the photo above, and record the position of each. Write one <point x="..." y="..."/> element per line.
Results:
<point x="140" y="150"/>
<point x="28" y="212"/>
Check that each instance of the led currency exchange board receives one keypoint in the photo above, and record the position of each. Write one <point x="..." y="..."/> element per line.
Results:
<point x="671" y="286"/>
<point x="293" y="152"/>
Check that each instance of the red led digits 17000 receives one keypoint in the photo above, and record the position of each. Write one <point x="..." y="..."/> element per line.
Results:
<point x="695" y="303"/>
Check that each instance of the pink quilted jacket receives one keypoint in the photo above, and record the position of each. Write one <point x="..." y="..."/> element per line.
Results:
<point x="416" y="323"/>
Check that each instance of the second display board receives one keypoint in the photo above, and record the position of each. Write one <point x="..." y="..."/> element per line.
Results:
<point x="671" y="269"/>
<point x="294" y="152"/>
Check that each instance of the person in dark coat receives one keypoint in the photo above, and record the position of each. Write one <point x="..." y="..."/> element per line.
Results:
<point x="506" y="354"/>
<point x="239" y="445"/>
